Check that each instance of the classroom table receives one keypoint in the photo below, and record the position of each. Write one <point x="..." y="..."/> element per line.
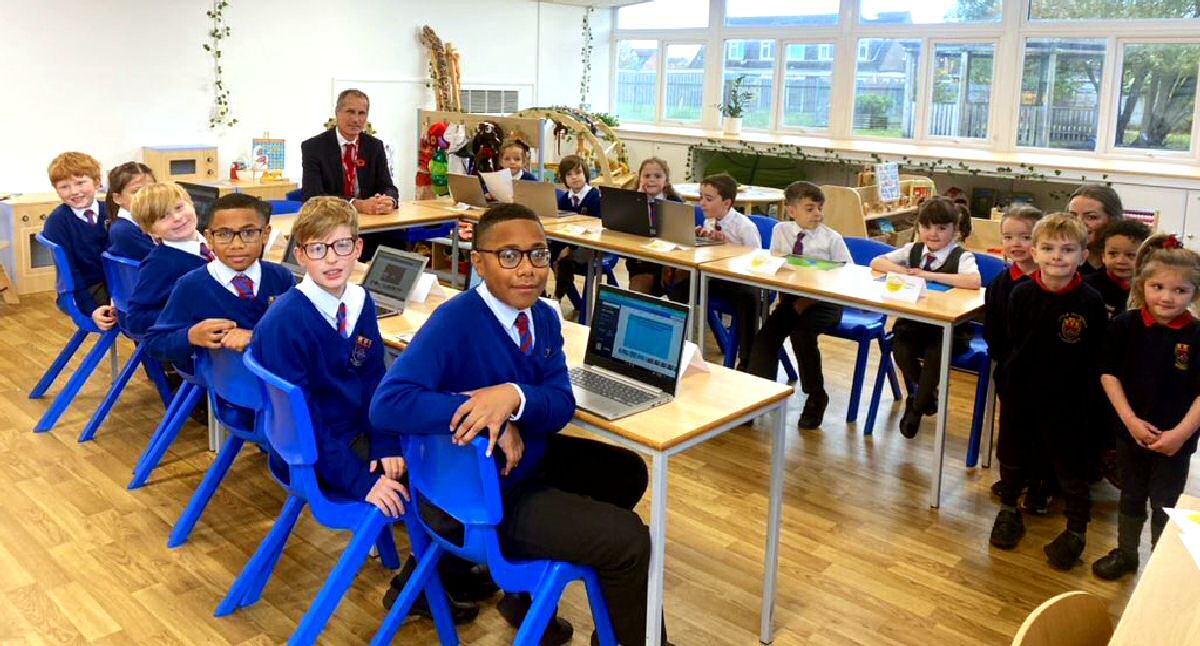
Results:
<point x="693" y="417"/>
<point x="1162" y="608"/>
<point x="856" y="286"/>
<point x="747" y="195"/>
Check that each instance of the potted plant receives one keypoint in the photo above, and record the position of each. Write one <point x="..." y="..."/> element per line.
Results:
<point x="735" y="105"/>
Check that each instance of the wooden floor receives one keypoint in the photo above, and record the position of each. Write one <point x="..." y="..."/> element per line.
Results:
<point x="863" y="560"/>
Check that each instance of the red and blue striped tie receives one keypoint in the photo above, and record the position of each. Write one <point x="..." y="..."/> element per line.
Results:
<point x="244" y="286"/>
<point x="343" y="326"/>
<point x="523" y="333"/>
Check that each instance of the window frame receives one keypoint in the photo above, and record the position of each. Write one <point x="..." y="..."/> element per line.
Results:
<point x="661" y="86"/>
<point x="970" y="142"/>
<point x="1110" y="146"/>
<point x="780" y="77"/>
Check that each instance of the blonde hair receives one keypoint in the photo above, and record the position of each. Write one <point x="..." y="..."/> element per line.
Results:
<point x="1151" y="259"/>
<point x="1061" y="225"/>
<point x="155" y="201"/>
<point x="71" y="164"/>
<point x="323" y="214"/>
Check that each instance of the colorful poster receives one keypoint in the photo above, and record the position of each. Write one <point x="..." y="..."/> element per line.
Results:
<point x="887" y="176"/>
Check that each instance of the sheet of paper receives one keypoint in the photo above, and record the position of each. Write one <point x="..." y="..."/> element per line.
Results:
<point x="759" y="262"/>
<point x="693" y="360"/>
<point x="902" y="287"/>
<point x="1192" y="543"/>
<point x="574" y="230"/>
<point x="275" y="236"/>
<point x="499" y="184"/>
<point x="661" y="245"/>
<point x="427" y="285"/>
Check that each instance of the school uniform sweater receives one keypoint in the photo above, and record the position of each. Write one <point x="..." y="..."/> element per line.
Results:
<point x="338" y="377"/>
<point x="198" y="296"/>
<point x="423" y="388"/>
<point x="125" y="239"/>
<point x="1158" y="367"/>
<point x="589" y="204"/>
<point x="157" y="276"/>
<point x="995" y="315"/>
<point x="83" y="244"/>
<point x="1113" y="290"/>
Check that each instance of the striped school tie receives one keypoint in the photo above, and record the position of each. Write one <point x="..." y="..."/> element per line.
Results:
<point x="244" y="286"/>
<point x="523" y="334"/>
<point x="90" y="215"/>
<point x="343" y="326"/>
<point x="206" y="252"/>
<point x="929" y="258"/>
<point x="798" y="248"/>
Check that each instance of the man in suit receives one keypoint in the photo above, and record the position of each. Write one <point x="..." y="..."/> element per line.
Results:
<point x="347" y="162"/>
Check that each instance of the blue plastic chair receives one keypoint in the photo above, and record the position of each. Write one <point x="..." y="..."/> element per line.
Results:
<point x="232" y="391"/>
<point x="285" y="207"/>
<point x="65" y="286"/>
<point x="121" y="275"/>
<point x="288" y="428"/>
<point x="180" y="408"/>
<point x="462" y="481"/>
<point x="296" y="195"/>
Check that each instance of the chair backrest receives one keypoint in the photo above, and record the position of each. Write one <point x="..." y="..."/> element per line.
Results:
<point x="864" y="250"/>
<point x="295" y="196"/>
<point x="766" y="226"/>
<point x="226" y="375"/>
<point x="460" y="480"/>
<point x="64" y="283"/>
<point x="284" y="207"/>
<point x="285" y="421"/>
<point x="1071" y="619"/>
<point x="699" y="215"/>
<point x="121" y="274"/>
<point x="844" y="211"/>
<point x="989" y="267"/>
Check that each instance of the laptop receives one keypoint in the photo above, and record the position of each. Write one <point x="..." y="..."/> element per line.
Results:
<point x="289" y="258"/>
<point x="626" y="211"/>
<point x="391" y="278"/>
<point x="677" y="223"/>
<point x="466" y="189"/>
<point x="634" y="354"/>
<point x="204" y="198"/>
<point x="540" y="197"/>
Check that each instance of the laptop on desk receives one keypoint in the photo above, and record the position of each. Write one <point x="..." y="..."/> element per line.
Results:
<point x="626" y="211"/>
<point x="467" y="190"/>
<point x="289" y="258"/>
<point x="391" y="279"/>
<point x="204" y="198"/>
<point x="539" y="197"/>
<point x="677" y="223"/>
<point x="634" y="354"/>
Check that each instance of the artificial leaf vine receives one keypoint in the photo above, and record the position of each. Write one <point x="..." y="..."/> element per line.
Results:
<point x="220" y="114"/>
<point x="585" y="55"/>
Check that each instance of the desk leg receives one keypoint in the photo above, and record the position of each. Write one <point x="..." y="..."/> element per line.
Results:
<point x="454" y="257"/>
<point x="700" y="312"/>
<point x="989" y="419"/>
<point x="774" y="521"/>
<point x="216" y="434"/>
<point x="693" y="297"/>
<point x="658" y="545"/>
<point x="589" y="285"/>
<point x="943" y="416"/>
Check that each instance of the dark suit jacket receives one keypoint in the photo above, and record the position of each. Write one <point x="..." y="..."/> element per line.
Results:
<point x="321" y="158"/>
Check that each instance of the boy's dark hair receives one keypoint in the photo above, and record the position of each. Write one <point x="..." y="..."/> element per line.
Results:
<point x="943" y="210"/>
<point x="1106" y="196"/>
<point x="570" y="163"/>
<point x="242" y="201"/>
<point x="797" y="191"/>
<point x="1132" y="229"/>
<point x="725" y="184"/>
<point x="502" y="213"/>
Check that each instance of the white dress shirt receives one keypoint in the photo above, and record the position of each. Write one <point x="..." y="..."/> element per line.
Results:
<point x="966" y="262"/>
<point x="327" y="304"/>
<point x="190" y="246"/>
<point x="342" y="141"/>
<point x="224" y="275"/>
<point x="95" y="209"/>
<point x="822" y="242"/>
<point x="738" y="229"/>
<point x="507" y="315"/>
<point x="577" y="198"/>
<point x="123" y="214"/>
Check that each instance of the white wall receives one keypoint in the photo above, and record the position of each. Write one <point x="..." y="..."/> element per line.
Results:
<point x="136" y="75"/>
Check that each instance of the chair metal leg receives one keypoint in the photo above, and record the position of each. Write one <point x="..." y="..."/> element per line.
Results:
<point x="110" y="399"/>
<point x="247" y="588"/>
<point x="788" y="369"/>
<point x="885" y="361"/>
<point x="173" y="407"/>
<point x="386" y="546"/>
<point x="885" y="357"/>
<point x="339" y="580"/>
<point x="165" y="434"/>
<point x="78" y="379"/>
<point x="860" y="375"/>
<point x="59" y="363"/>
<point x="981" y="407"/>
<point x="600" y="617"/>
<point x="204" y="493"/>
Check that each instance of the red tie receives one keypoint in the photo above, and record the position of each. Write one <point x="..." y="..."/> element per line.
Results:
<point x="523" y="333"/>
<point x="90" y="215"/>
<point x="244" y="286"/>
<point x="574" y="201"/>
<point x="206" y="252"/>
<point x="350" y="171"/>
<point x="343" y="326"/>
<point x="929" y="258"/>
<point x="798" y="248"/>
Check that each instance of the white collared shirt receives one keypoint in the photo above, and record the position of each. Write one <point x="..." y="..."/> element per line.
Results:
<point x="507" y="315"/>
<point x="822" y="242"/>
<point x="966" y="262"/>
<point x="190" y="246"/>
<point x="95" y="209"/>
<point x="738" y="229"/>
<point x="342" y="141"/>
<point x="224" y="275"/>
<point x="578" y="196"/>
<point x="124" y="214"/>
<point x="327" y="304"/>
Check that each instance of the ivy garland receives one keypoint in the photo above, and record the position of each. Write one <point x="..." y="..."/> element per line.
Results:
<point x="220" y="114"/>
<point x="585" y="55"/>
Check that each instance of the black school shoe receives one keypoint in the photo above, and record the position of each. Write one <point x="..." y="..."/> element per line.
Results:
<point x="514" y="607"/>
<point x="1008" y="529"/>
<point x="1115" y="565"/>
<point x="461" y="612"/>
<point x="910" y="422"/>
<point x="1037" y="501"/>
<point x="1064" y="551"/>
<point x="814" y="411"/>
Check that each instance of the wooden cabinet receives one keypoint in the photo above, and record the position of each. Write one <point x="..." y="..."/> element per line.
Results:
<point x="182" y="163"/>
<point x="28" y="263"/>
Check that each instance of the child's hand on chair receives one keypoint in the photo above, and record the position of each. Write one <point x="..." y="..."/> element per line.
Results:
<point x="105" y="317"/>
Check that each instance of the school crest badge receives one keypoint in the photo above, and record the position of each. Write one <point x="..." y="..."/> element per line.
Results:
<point x="1071" y="327"/>
<point x="359" y="355"/>
<point x="1183" y="353"/>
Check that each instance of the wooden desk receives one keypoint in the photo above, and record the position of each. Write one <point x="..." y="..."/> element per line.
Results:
<point x="690" y="419"/>
<point x="1162" y="609"/>
<point x="263" y="190"/>
<point x="747" y="196"/>
<point x="855" y="286"/>
<point x="473" y="214"/>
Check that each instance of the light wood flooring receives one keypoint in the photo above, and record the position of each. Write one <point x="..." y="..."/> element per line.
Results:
<point x="863" y="560"/>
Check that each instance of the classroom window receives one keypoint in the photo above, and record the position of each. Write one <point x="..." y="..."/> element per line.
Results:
<point x="1158" y="96"/>
<point x="1060" y="93"/>
<point x="664" y="14"/>
<point x="767" y="53"/>
<point x="906" y="12"/>
<point x="758" y="73"/>
<point x="1112" y="9"/>
<point x="961" y="90"/>
<point x="885" y="87"/>
<point x="772" y="13"/>
<point x="807" y="82"/>
<point x="685" y="82"/>
<point x="637" y="79"/>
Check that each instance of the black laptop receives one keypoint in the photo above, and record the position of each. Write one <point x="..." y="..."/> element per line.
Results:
<point x="203" y="200"/>
<point x="626" y="211"/>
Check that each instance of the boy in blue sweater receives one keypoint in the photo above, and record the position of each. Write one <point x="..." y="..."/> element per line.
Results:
<point x="581" y="198"/>
<point x="78" y="225"/>
<point x="218" y="305"/>
<point x="565" y="498"/>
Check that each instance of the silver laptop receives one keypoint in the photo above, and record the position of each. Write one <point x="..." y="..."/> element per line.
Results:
<point x="634" y="352"/>
<point x="467" y="189"/>
<point x="539" y="197"/>
<point x="289" y="258"/>
<point x="391" y="279"/>
<point x="677" y="223"/>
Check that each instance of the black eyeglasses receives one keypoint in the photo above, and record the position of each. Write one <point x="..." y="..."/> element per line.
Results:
<point x="510" y="258"/>
<point x="225" y="236"/>
<point x="341" y="247"/>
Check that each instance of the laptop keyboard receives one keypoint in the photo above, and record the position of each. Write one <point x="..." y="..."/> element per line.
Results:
<point x="381" y="311"/>
<point x="604" y="386"/>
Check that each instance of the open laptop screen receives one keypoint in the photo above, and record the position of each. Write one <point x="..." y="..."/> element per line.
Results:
<point x="392" y="275"/>
<point x="203" y="200"/>
<point x="637" y="336"/>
